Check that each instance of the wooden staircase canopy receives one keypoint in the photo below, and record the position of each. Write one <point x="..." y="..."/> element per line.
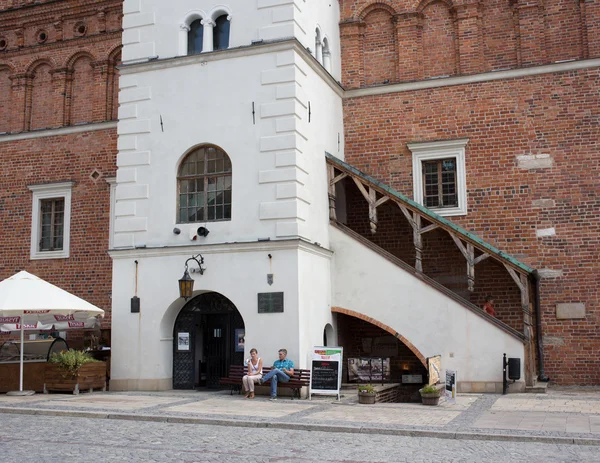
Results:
<point x="419" y="211"/>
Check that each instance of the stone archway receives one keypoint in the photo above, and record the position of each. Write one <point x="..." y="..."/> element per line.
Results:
<point x="384" y="327"/>
<point x="206" y="341"/>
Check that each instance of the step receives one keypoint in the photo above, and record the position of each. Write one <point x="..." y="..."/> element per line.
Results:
<point x="539" y="388"/>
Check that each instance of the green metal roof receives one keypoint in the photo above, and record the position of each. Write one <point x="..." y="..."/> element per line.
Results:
<point x="430" y="214"/>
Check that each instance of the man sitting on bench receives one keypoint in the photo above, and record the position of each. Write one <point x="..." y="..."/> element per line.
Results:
<point x="283" y="370"/>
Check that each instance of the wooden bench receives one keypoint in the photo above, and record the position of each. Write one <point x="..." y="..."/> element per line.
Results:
<point x="300" y="379"/>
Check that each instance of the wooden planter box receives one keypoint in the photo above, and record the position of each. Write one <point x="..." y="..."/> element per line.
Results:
<point x="366" y="397"/>
<point x="89" y="377"/>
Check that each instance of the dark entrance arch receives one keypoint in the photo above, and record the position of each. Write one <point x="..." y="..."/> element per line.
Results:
<point x="208" y="322"/>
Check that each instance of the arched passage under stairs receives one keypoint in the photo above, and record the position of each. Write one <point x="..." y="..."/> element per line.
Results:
<point x="366" y="341"/>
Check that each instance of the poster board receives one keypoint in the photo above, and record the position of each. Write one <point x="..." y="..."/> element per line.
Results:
<point x="368" y="369"/>
<point x="326" y="371"/>
<point x="451" y="386"/>
<point x="434" y="368"/>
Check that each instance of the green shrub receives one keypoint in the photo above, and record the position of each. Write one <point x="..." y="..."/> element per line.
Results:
<point x="430" y="390"/>
<point x="368" y="388"/>
<point x="71" y="360"/>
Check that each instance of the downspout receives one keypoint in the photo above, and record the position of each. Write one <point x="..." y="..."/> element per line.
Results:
<point x="538" y="327"/>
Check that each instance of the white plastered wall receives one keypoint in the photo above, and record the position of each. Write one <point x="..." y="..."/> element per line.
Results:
<point x="142" y="344"/>
<point x="367" y="283"/>
<point x="154" y="27"/>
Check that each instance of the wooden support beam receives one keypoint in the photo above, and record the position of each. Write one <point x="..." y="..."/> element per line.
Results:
<point x="371" y="197"/>
<point x="408" y="215"/>
<point x="482" y="257"/>
<point x="373" y="210"/>
<point x="429" y="228"/>
<point x="461" y="246"/>
<point x="382" y="200"/>
<point x="514" y="276"/>
<point x="418" y="239"/>
<point x="332" y="198"/>
<point x="334" y="180"/>
<point x="361" y="188"/>
<point x="471" y="267"/>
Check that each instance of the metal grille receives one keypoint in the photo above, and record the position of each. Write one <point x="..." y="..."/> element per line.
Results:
<point x="219" y="319"/>
<point x="183" y="362"/>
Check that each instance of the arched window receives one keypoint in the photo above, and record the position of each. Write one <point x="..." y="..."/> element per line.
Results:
<point x="204" y="182"/>
<point x="195" y="36"/>
<point x="326" y="55"/>
<point x="318" y="46"/>
<point x="221" y="33"/>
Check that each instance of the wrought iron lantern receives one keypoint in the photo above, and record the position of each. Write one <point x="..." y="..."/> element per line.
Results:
<point x="186" y="283"/>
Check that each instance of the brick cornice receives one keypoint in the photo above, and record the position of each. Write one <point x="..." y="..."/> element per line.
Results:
<point x="52" y="7"/>
<point x="70" y="43"/>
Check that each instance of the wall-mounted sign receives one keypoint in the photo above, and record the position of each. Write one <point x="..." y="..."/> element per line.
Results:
<point x="326" y="371"/>
<point x="412" y="379"/>
<point x="270" y="302"/>
<point x="183" y="342"/>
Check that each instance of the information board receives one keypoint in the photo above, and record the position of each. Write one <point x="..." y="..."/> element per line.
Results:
<point x="451" y="386"/>
<point x="326" y="371"/>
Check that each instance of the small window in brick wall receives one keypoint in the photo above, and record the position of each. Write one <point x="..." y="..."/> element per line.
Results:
<point x="52" y="224"/>
<point x="439" y="176"/>
<point x="51" y="220"/>
<point x="439" y="183"/>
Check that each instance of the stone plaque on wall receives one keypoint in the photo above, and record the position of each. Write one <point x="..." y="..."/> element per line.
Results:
<point x="571" y="310"/>
<point x="270" y="302"/>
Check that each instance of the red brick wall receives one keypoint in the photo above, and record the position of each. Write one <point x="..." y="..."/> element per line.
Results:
<point x="440" y="38"/>
<point x="553" y="114"/>
<point x="439" y="53"/>
<point x="5" y="98"/>
<point x="379" y="47"/>
<point x="67" y="80"/>
<point x="87" y="272"/>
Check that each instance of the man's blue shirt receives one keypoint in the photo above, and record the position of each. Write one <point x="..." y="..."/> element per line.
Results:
<point x="281" y="364"/>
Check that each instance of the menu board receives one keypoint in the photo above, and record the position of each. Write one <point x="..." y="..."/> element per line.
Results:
<point x="326" y="371"/>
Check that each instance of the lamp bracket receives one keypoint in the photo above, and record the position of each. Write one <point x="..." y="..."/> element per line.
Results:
<point x="200" y="261"/>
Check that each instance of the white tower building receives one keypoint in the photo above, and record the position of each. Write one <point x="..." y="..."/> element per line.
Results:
<point x="226" y="114"/>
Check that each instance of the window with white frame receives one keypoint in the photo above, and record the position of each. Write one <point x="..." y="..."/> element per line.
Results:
<point x="439" y="177"/>
<point x="50" y="220"/>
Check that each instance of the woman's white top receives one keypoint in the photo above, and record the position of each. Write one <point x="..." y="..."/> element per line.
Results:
<point x="254" y="368"/>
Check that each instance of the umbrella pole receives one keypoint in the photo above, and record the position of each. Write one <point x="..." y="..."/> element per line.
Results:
<point x="22" y="349"/>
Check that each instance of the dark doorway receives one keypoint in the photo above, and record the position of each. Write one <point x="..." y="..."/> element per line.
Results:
<point x="209" y="322"/>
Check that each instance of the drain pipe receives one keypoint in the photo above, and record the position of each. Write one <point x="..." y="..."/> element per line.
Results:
<point x="538" y="327"/>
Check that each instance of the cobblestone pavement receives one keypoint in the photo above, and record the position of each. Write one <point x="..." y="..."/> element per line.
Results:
<point x="560" y="414"/>
<point x="25" y="439"/>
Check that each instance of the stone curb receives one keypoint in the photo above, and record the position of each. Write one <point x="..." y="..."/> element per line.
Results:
<point x="407" y="432"/>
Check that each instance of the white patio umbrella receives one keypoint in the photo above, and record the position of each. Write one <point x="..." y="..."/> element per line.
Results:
<point x="30" y="303"/>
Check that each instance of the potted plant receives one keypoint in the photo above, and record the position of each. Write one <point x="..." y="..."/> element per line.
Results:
<point x="430" y="395"/>
<point x="74" y="370"/>
<point x="366" y="394"/>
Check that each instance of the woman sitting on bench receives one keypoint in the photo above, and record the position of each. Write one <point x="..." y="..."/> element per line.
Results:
<point x="254" y="373"/>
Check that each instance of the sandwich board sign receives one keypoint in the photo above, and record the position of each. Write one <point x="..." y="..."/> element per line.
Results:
<point x="451" y="386"/>
<point x="326" y="371"/>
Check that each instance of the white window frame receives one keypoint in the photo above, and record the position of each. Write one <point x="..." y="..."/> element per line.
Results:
<point x="50" y="191"/>
<point x="430" y="151"/>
